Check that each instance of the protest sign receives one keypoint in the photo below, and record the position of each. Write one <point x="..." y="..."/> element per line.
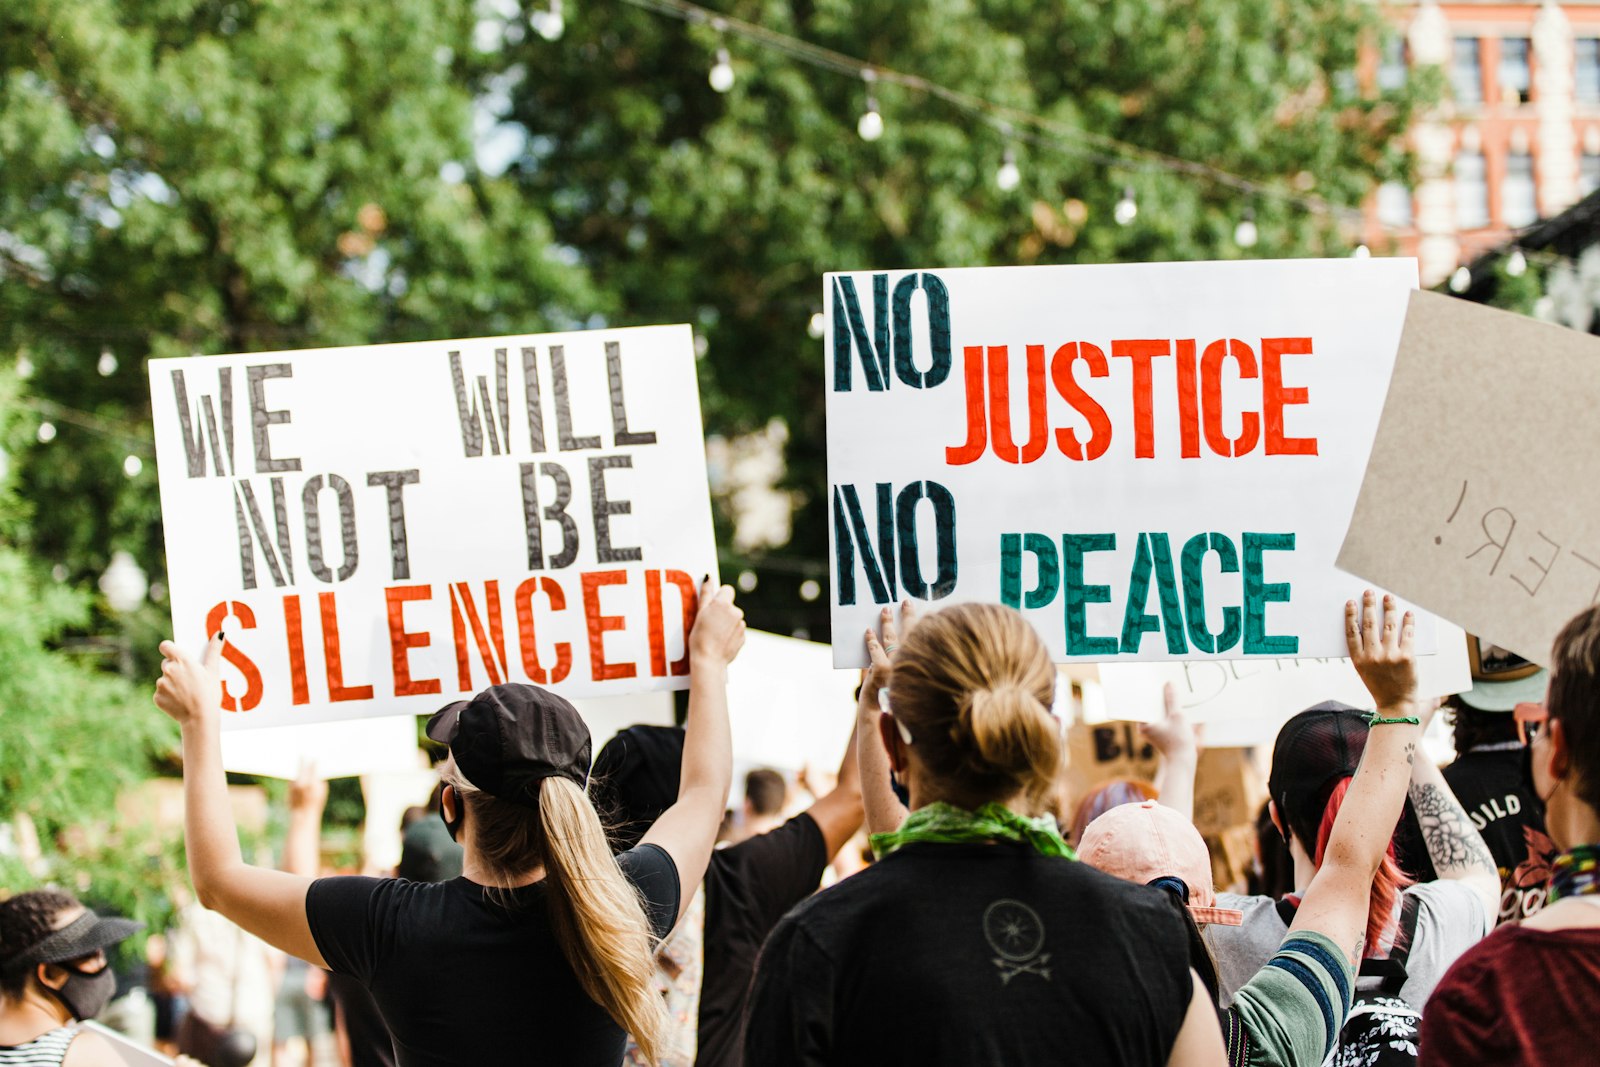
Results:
<point x="787" y="706"/>
<point x="328" y="749"/>
<point x="1099" y="752"/>
<point x="380" y="530"/>
<point x="1478" y="500"/>
<point x="1151" y="461"/>
<point x="1270" y="690"/>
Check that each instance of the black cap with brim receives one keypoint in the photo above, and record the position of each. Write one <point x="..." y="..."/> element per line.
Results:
<point x="83" y="936"/>
<point x="1314" y="750"/>
<point x="509" y="738"/>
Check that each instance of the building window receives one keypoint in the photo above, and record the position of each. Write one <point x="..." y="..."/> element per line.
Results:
<point x="1472" y="191"/>
<point x="1466" y="72"/>
<point x="1519" y="201"/>
<point x="1586" y="71"/>
<point x="1588" y="173"/>
<point x="1516" y="78"/>
<point x="1394" y="204"/>
<point x="1392" y="65"/>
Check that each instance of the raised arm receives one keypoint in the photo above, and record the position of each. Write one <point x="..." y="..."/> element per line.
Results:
<point x="837" y="813"/>
<point x="1458" y="851"/>
<point x="882" y="808"/>
<point x="1336" y="903"/>
<point x="688" y="829"/>
<point x="269" y="904"/>
<point x="1175" y="739"/>
<point x="302" y="842"/>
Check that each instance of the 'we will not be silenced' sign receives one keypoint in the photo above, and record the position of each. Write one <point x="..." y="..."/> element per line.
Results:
<point x="381" y="530"/>
<point x="1151" y="461"/>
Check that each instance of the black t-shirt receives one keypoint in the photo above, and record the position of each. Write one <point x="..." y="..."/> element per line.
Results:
<point x="969" y="954"/>
<point x="460" y="978"/>
<point x="370" y="1044"/>
<point x="749" y="887"/>
<point x="1496" y="795"/>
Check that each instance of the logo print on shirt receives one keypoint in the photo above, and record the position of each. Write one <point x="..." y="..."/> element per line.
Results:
<point x="1016" y="933"/>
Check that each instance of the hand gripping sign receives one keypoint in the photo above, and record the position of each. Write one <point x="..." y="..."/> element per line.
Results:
<point x="1151" y="461"/>
<point x="380" y="530"/>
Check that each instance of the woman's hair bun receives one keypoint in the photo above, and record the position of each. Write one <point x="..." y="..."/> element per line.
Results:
<point x="1008" y="732"/>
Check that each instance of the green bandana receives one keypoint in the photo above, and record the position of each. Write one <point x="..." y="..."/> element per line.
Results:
<point x="947" y="824"/>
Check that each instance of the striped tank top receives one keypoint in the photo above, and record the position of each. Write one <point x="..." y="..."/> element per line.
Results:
<point x="46" y="1050"/>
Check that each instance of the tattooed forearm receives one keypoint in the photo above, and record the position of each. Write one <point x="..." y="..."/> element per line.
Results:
<point x="1453" y="843"/>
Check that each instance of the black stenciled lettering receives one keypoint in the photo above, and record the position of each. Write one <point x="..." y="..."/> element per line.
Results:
<point x="280" y="564"/>
<point x="262" y="419"/>
<point x="394" y="484"/>
<point x="309" y="499"/>
<point x="619" y="413"/>
<point x="553" y="512"/>
<point x="530" y="392"/>
<point x="466" y="409"/>
<point x="558" y="385"/>
<point x="604" y="507"/>
<point x="195" y="438"/>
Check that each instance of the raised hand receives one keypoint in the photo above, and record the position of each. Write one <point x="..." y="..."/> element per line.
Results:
<point x="1383" y="653"/>
<point x="190" y="689"/>
<point x="718" y="631"/>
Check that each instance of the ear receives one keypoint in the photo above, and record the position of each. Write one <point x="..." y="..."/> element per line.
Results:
<point x="1560" y="761"/>
<point x="891" y="743"/>
<point x="447" y="802"/>
<point x="50" y="975"/>
<point x="1277" y="820"/>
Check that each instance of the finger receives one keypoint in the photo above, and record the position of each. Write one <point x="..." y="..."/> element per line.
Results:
<point x="213" y="651"/>
<point x="1169" y="697"/>
<point x="886" y="623"/>
<point x="170" y="650"/>
<point x="1369" y="622"/>
<point x="1391" y="627"/>
<point x="875" y="651"/>
<point x="910" y="612"/>
<point x="1352" y="629"/>
<point x="1408" y="635"/>
<point x="725" y="593"/>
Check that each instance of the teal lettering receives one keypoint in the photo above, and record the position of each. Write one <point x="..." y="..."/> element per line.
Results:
<point x="1079" y="595"/>
<point x="1258" y="593"/>
<point x="1194" y="592"/>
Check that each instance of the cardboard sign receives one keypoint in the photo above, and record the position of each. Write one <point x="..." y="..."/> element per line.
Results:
<point x="1478" y="502"/>
<point x="380" y="530"/>
<point x="1152" y="461"/>
<point x="1099" y="752"/>
<point x="1270" y="690"/>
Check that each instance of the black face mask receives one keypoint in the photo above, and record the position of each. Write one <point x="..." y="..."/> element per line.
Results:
<point x="901" y="793"/>
<point x="1535" y="801"/>
<point x="86" y="995"/>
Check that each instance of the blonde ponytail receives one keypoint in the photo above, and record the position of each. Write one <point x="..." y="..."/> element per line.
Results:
<point x="1005" y="726"/>
<point x="598" y="918"/>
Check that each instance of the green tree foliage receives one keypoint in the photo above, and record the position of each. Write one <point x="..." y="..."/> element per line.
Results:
<point x="725" y="210"/>
<point x="203" y="176"/>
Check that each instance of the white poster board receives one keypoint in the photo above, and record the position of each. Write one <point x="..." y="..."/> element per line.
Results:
<point x="787" y="706"/>
<point x="380" y="530"/>
<point x="1152" y="461"/>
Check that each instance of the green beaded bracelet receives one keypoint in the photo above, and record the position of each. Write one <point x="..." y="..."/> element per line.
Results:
<point x="1409" y="720"/>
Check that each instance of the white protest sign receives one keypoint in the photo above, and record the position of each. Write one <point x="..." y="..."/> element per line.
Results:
<point x="1271" y="690"/>
<point x="1479" y="502"/>
<point x="380" y="530"/>
<point x="787" y="706"/>
<point x="1152" y="461"/>
<point x="330" y="749"/>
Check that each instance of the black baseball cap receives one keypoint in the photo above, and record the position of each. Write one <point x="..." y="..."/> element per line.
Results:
<point x="1314" y="750"/>
<point x="509" y="738"/>
<point x="83" y="936"/>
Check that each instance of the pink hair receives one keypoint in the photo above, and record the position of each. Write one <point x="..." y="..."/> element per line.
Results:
<point x="1387" y="884"/>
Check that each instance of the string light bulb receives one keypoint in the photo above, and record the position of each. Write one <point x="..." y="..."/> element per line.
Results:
<point x="1245" y="235"/>
<point x="870" y="124"/>
<point x="1008" y="177"/>
<point x="721" y="77"/>
<point x="549" y="23"/>
<point x="132" y="465"/>
<point x="108" y="363"/>
<point x="1127" y="208"/>
<point x="1461" y="280"/>
<point x="46" y="432"/>
<point x="816" y="326"/>
<point x="1361" y="252"/>
<point x="1516" y="263"/>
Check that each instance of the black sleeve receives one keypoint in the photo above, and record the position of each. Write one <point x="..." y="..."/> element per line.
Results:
<point x="655" y="876"/>
<point x="780" y="868"/>
<point x="344" y="914"/>
<point x="790" y="1018"/>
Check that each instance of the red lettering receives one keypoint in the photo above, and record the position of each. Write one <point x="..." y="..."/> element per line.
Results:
<point x="235" y="655"/>
<point x="977" y="426"/>
<point x="1188" y="403"/>
<point x="1000" y="405"/>
<point x="337" y="690"/>
<point x="297" y="649"/>
<point x="599" y="625"/>
<point x="1274" y="396"/>
<point x="1211" y="396"/>
<point x="1140" y="353"/>
<point x="689" y="598"/>
<point x="523" y="602"/>
<point x="1084" y="404"/>
<point x="402" y="641"/>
